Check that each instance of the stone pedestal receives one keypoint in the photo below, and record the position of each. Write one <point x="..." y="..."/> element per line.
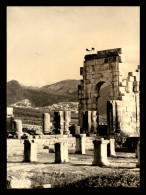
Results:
<point x="46" y="123"/>
<point x="61" y="152"/>
<point x="30" y="151"/>
<point x="18" y="127"/>
<point x="100" y="152"/>
<point x="80" y="144"/>
<point x="138" y="154"/>
<point x="111" y="148"/>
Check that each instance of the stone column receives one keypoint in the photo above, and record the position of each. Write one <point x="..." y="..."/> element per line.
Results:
<point x="30" y="151"/>
<point x="61" y="152"/>
<point x="89" y="120"/>
<point x="46" y="123"/>
<point x="10" y="123"/>
<point x="62" y="122"/>
<point x="94" y="121"/>
<point x="80" y="144"/>
<point x="18" y="127"/>
<point x="138" y="155"/>
<point x="67" y="120"/>
<point x="100" y="152"/>
<point x="111" y="148"/>
<point x="59" y="122"/>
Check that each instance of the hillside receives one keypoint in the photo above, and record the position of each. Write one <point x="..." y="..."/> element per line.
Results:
<point x="62" y="87"/>
<point x="63" y="91"/>
<point x="41" y="97"/>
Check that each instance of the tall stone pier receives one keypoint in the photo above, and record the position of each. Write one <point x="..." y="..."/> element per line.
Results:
<point x="62" y="121"/>
<point x="46" y="123"/>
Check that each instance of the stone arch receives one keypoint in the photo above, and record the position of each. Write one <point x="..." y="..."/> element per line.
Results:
<point x="98" y="70"/>
<point x="98" y="84"/>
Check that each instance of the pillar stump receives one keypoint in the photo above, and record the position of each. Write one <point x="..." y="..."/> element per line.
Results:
<point x="138" y="154"/>
<point x="80" y="143"/>
<point x="18" y="127"/>
<point x="100" y="152"/>
<point x="30" y="151"/>
<point x="67" y="120"/>
<point x="111" y="148"/>
<point x="61" y="152"/>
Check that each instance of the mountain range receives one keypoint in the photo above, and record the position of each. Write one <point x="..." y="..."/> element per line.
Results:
<point x="63" y="91"/>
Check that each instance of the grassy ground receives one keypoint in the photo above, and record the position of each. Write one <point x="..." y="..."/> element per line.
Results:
<point x="79" y="172"/>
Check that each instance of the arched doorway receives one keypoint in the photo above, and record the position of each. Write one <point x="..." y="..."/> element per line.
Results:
<point x="103" y="89"/>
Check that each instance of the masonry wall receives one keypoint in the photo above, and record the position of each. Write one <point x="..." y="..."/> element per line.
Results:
<point x="101" y="68"/>
<point x="16" y="146"/>
<point x="126" y="110"/>
<point x="104" y="68"/>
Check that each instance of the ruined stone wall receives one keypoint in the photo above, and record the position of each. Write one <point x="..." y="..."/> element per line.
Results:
<point x="16" y="146"/>
<point x="100" y="69"/>
<point x="126" y="110"/>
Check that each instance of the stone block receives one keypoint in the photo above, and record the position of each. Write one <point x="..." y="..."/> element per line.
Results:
<point x="111" y="148"/>
<point x="61" y="152"/>
<point x="89" y="87"/>
<point x="81" y="70"/>
<point x="80" y="143"/>
<point x="14" y="183"/>
<point x="136" y="88"/>
<point x="99" y="61"/>
<point x="129" y="87"/>
<point x="122" y="90"/>
<point x="9" y="111"/>
<point x="120" y="78"/>
<point x="130" y="78"/>
<point x="124" y="83"/>
<point x="133" y="74"/>
<point x="136" y="83"/>
<point x="88" y="69"/>
<point x="115" y="84"/>
<point x="18" y="127"/>
<point x="30" y="151"/>
<point x="88" y="95"/>
<point x="100" y="152"/>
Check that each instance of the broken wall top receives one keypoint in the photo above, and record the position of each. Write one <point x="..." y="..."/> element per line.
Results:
<point x="104" y="54"/>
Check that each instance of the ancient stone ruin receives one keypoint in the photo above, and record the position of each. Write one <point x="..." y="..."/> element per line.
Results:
<point x="123" y="107"/>
<point x="123" y="118"/>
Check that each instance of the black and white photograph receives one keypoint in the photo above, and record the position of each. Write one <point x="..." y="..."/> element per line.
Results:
<point x="73" y="97"/>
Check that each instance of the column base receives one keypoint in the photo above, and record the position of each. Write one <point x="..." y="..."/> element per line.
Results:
<point x="101" y="163"/>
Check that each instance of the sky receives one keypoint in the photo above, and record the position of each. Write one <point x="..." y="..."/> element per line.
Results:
<point x="48" y="44"/>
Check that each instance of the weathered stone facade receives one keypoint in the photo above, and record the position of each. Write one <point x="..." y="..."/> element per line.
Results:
<point x="123" y="106"/>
